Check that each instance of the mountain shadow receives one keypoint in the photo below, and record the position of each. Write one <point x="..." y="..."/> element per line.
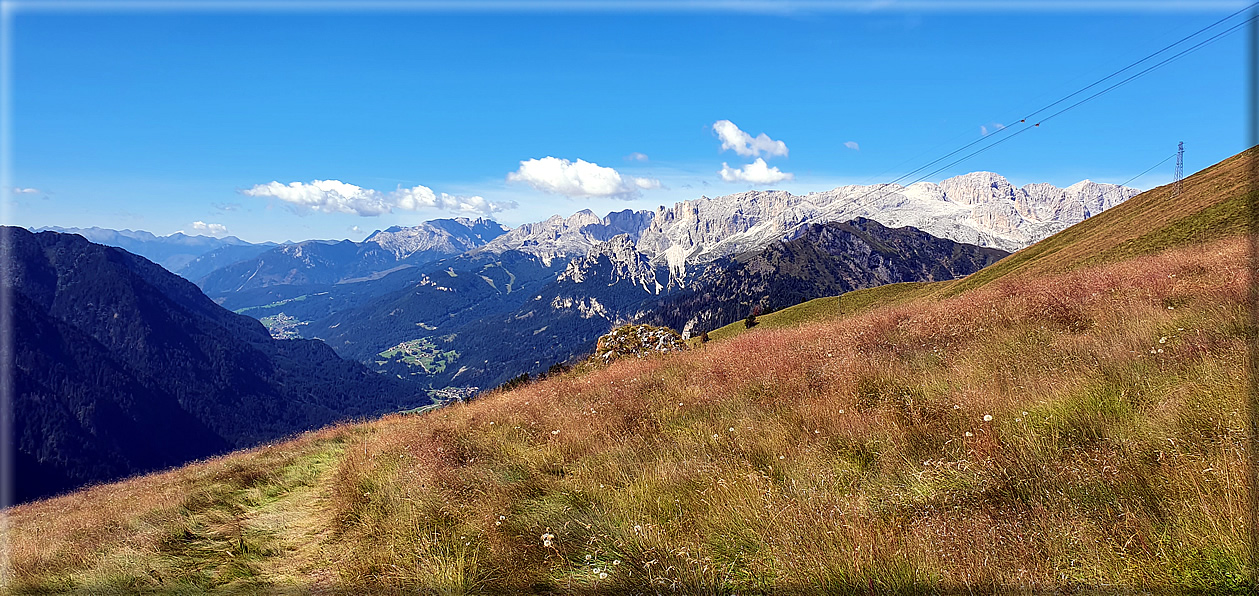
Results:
<point x="121" y="367"/>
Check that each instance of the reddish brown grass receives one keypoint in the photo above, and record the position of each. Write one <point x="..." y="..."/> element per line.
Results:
<point x="846" y="456"/>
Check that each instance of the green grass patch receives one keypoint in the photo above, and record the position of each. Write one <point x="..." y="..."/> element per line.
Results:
<point x="419" y="353"/>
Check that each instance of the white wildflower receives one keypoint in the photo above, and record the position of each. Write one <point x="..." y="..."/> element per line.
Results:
<point x="555" y="432"/>
<point x="987" y="417"/>
<point x="968" y="433"/>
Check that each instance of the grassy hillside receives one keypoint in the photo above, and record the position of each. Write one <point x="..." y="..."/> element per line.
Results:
<point x="1072" y="426"/>
<point x="1211" y="205"/>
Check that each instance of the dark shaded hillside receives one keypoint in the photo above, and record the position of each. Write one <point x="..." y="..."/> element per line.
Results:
<point x="458" y="304"/>
<point x="123" y="367"/>
<point x="562" y="321"/>
<point x="220" y="258"/>
<point x="825" y="260"/>
<point x="481" y="319"/>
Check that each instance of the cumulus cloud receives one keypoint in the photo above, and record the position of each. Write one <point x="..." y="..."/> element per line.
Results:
<point x="334" y="196"/>
<point x="26" y="191"/>
<point x="212" y="229"/>
<point x="757" y="172"/>
<point x="745" y="144"/>
<point x="636" y="156"/>
<point x="329" y="196"/>
<point x="852" y="145"/>
<point x="579" y="179"/>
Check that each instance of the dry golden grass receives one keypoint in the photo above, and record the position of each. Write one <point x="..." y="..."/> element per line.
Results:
<point x="850" y="456"/>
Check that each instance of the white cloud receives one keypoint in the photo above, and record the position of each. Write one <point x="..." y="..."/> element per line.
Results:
<point x="757" y="172"/>
<point x="334" y="196"/>
<point x="852" y="145"/>
<point x="329" y="196"/>
<point x="26" y="191"/>
<point x="985" y="130"/>
<point x="636" y="156"/>
<point x="579" y="179"/>
<point x="212" y="229"/>
<point x="745" y="144"/>
<point x="472" y="204"/>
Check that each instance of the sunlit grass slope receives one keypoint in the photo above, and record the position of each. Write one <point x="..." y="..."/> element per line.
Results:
<point x="1211" y="205"/>
<point x="1076" y="429"/>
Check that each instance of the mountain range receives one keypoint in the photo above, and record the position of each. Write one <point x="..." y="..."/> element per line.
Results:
<point x="174" y="252"/>
<point x="447" y="291"/>
<point x="980" y="208"/>
<point x="1070" y="418"/>
<point x="323" y="262"/>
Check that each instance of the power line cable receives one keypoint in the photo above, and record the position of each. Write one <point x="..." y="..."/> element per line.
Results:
<point x="1143" y="72"/>
<point x="1075" y="93"/>
<point x="1018" y="131"/>
<point x="1125" y="182"/>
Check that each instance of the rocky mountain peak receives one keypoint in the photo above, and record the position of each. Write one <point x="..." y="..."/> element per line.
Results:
<point x="978" y="187"/>
<point x="614" y="261"/>
<point x="443" y="236"/>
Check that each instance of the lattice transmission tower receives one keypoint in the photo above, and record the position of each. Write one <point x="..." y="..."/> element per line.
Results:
<point x="1180" y="169"/>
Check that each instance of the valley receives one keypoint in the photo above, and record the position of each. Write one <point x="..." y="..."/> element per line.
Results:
<point x="553" y="287"/>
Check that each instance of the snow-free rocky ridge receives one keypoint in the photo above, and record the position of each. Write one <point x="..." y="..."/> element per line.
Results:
<point x="980" y="208"/>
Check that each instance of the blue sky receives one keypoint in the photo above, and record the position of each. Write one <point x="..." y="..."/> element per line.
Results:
<point x="158" y="119"/>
